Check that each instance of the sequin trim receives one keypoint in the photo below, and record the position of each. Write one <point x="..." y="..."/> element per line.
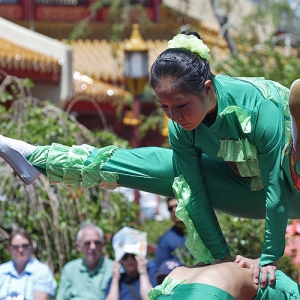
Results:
<point x="293" y="161"/>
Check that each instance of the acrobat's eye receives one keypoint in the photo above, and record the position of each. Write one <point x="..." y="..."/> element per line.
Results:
<point x="180" y="106"/>
<point x="164" y="106"/>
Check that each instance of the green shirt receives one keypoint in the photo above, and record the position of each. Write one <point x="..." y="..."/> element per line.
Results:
<point x="77" y="282"/>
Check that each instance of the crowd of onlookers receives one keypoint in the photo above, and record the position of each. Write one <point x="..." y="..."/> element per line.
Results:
<point x="93" y="276"/>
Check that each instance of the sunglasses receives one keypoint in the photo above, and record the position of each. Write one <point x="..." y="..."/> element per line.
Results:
<point x="127" y="255"/>
<point x="87" y="244"/>
<point x="17" y="247"/>
<point x="170" y="208"/>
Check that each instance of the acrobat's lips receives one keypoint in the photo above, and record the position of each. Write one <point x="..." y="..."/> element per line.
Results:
<point x="187" y="126"/>
<point x="183" y="125"/>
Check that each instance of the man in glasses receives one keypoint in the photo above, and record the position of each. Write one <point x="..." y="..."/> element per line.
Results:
<point x="172" y="238"/>
<point x="87" y="277"/>
<point x="25" y="277"/>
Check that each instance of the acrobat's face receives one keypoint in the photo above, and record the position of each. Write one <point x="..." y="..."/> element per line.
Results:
<point x="188" y="110"/>
<point x="20" y="248"/>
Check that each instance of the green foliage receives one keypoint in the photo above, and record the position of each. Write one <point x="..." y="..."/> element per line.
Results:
<point x="52" y="214"/>
<point x="244" y="236"/>
<point x="154" y="121"/>
<point x="266" y="62"/>
<point x="12" y="87"/>
<point x="122" y="13"/>
<point x="155" y="229"/>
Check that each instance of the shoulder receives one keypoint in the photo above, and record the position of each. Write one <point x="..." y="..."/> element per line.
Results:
<point x="38" y="264"/>
<point x="170" y="233"/>
<point x="73" y="264"/>
<point x="166" y="234"/>
<point x="6" y="267"/>
<point x="39" y="267"/>
<point x="179" y="273"/>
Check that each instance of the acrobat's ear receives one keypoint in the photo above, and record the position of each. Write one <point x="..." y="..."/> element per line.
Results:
<point x="208" y="87"/>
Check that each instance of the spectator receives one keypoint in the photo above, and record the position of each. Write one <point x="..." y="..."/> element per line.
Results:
<point x="165" y="268"/>
<point x="25" y="277"/>
<point x="87" y="277"/>
<point x="172" y="238"/>
<point x="138" y="275"/>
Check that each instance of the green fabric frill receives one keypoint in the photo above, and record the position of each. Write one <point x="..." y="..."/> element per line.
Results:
<point x="74" y="165"/>
<point x="193" y="241"/>
<point x="166" y="288"/>
<point x="242" y="152"/>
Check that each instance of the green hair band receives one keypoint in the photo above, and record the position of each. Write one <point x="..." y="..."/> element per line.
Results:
<point x="190" y="42"/>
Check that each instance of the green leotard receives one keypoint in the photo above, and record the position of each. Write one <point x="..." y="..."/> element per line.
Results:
<point x="251" y="133"/>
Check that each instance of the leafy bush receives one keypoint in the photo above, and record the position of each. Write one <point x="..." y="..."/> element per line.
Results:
<point x="52" y="214"/>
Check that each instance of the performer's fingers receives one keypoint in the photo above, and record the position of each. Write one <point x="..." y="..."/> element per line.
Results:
<point x="256" y="273"/>
<point x="264" y="277"/>
<point x="238" y="258"/>
<point x="242" y="263"/>
<point x="272" y="270"/>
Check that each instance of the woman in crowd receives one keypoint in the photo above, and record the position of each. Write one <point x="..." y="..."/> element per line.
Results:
<point x="133" y="275"/>
<point x="25" y="277"/>
<point x="232" y="151"/>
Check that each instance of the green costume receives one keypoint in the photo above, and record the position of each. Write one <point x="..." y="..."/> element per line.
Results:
<point x="191" y="291"/>
<point x="251" y="136"/>
<point x="283" y="288"/>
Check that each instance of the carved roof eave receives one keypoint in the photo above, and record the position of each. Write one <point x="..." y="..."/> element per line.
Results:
<point x="20" y="60"/>
<point x="87" y="88"/>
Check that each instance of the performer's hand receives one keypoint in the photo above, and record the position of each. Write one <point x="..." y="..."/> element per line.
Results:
<point x="245" y="262"/>
<point x="253" y="264"/>
<point x="268" y="269"/>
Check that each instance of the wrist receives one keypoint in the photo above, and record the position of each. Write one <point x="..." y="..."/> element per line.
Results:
<point x="143" y="273"/>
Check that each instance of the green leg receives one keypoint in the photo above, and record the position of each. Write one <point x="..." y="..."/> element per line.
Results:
<point x="148" y="169"/>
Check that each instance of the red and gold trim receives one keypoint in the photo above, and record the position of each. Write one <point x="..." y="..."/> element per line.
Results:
<point x="294" y="159"/>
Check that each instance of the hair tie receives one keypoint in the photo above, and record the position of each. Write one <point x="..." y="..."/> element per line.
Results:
<point x="190" y="42"/>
